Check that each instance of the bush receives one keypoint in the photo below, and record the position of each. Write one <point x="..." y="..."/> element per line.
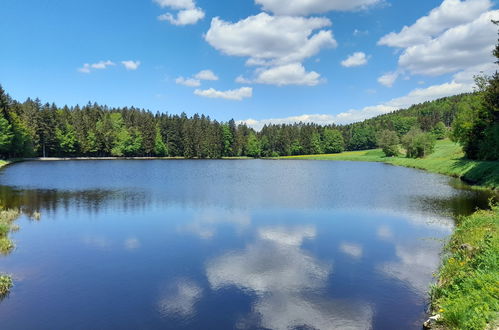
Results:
<point x="5" y="285"/>
<point x="418" y="144"/>
<point x="389" y="142"/>
<point x="439" y="131"/>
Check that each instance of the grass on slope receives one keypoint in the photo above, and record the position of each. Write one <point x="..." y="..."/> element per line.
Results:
<point x="447" y="159"/>
<point x="467" y="293"/>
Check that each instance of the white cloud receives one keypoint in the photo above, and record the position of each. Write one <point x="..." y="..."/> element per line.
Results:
<point x="195" y="81"/>
<point x="184" y="17"/>
<point x="453" y="37"/>
<point x="276" y="44"/>
<point x="131" y="65"/>
<point x="449" y="14"/>
<point x="307" y="7"/>
<point x="176" y="4"/>
<point x="356" y="59"/>
<point x="456" y="49"/>
<point x="388" y="79"/>
<point x="189" y="82"/>
<point x="206" y="75"/>
<point x="234" y="94"/>
<point x="269" y="39"/>
<point x="288" y="74"/>
<point x="87" y="68"/>
<point x="187" y="13"/>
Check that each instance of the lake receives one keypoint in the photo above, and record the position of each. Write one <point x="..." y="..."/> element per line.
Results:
<point x="225" y="244"/>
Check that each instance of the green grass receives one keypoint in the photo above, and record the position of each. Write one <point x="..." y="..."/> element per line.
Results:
<point x="447" y="159"/>
<point x="467" y="293"/>
<point x="7" y="218"/>
<point x="5" y="285"/>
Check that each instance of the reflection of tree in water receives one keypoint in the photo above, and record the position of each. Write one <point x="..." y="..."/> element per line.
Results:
<point x="32" y="201"/>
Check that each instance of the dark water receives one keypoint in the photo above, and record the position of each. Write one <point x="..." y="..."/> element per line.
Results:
<point x="225" y="244"/>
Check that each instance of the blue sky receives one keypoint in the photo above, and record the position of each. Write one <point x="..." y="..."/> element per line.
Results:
<point x="256" y="60"/>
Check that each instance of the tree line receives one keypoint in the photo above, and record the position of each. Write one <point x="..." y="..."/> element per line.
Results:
<point x="31" y="129"/>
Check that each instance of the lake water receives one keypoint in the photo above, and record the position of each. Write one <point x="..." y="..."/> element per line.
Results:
<point x="236" y="244"/>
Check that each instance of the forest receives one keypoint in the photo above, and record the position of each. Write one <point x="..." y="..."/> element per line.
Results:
<point x="33" y="129"/>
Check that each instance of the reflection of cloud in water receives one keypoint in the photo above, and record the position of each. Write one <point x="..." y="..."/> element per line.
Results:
<point x="99" y="242"/>
<point x="179" y="300"/>
<point x="206" y="222"/>
<point x="351" y="249"/>
<point x="384" y="232"/>
<point x="288" y="283"/>
<point x="289" y="311"/>
<point x="416" y="264"/>
<point x="132" y="243"/>
<point x="287" y="236"/>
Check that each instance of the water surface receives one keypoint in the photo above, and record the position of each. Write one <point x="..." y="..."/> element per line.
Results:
<point x="239" y="244"/>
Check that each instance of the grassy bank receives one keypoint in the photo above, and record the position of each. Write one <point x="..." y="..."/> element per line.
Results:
<point x="447" y="159"/>
<point x="467" y="293"/>
<point x="7" y="218"/>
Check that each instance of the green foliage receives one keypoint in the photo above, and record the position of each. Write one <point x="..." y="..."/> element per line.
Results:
<point x="467" y="294"/>
<point x="6" y="284"/>
<point x="389" y="142"/>
<point x="418" y="144"/>
<point x="160" y="148"/>
<point x="439" y="131"/>
<point x="332" y="141"/>
<point x="253" y="146"/>
<point x="6" y="135"/>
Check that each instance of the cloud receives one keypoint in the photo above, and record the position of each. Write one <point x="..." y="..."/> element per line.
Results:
<point x="187" y="13"/>
<point x="456" y="49"/>
<point x="269" y="39"/>
<point x="453" y="37"/>
<point x="131" y="65"/>
<point x="356" y="59"/>
<point x="282" y="75"/>
<point x="449" y="14"/>
<point x="87" y="68"/>
<point x="276" y="44"/>
<point x="184" y="17"/>
<point x="189" y="82"/>
<point x="388" y="79"/>
<point x="195" y="81"/>
<point x="206" y="75"/>
<point x="234" y="94"/>
<point x="307" y="7"/>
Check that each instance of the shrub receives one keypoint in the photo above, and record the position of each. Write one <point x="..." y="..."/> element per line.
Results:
<point x="5" y="285"/>
<point x="418" y="144"/>
<point x="389" y="142"/>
